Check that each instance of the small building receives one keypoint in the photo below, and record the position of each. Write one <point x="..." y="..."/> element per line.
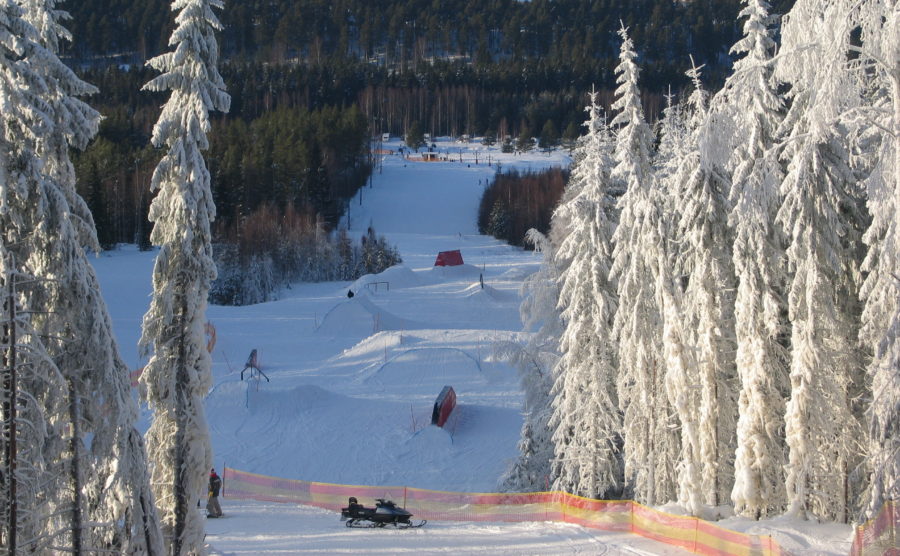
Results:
<point x="385" y="137"/>
<point x="449" y="258"/>
<point x="429" y="156"/>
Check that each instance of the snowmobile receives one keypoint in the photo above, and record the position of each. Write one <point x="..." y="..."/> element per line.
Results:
<point x="384" y="513"/>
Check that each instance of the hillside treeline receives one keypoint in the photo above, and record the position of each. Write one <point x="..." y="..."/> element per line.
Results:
<point x="277" y="246"/>
<point x="515" y="202"/>
<point x="455" y="66"/>
<point x="501" y="68"/>
<point x="445" y="98"/>
<point x="314" y="159"/>
<point x="403" y="34"/>
<point x="289" y="156"/>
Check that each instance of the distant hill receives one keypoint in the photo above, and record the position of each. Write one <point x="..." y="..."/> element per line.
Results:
<point x="404" y="34"/>
<point x="311" y="80"/>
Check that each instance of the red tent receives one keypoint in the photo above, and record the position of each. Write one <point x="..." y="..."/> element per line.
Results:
<point x="449" y="258"/>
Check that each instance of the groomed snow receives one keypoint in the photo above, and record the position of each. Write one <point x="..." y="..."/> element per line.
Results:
<point x="353" y="380"/>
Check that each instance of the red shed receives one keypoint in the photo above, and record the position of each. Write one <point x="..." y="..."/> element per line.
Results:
<point x="449" y="258"/>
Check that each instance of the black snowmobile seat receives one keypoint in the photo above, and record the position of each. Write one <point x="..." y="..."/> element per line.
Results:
<point x="355" y="510"/>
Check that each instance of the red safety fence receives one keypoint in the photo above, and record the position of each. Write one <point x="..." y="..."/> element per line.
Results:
<point x="689" y="533"/>
<point x="879" y="536"/>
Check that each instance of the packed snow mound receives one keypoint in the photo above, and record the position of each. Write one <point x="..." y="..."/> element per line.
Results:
<point x="224" y="396"/>
<point x="284" y="433"/>
<point x="455" y="272"/>
<point x="487" y="294"/>
<point x="430" y="369"/>
<point x="432" y="440"/>
<point x="358" y="316"/>
<point x="519" y="273"/>
<point x="397" y="277"/>
<point x="242" y="399"/>
<point x="375" y="344"/>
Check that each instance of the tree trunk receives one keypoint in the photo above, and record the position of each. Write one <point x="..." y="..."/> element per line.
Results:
<point x="9" y="412"/>
<point x="181" y="401"/>
<point x="75" y="447"/>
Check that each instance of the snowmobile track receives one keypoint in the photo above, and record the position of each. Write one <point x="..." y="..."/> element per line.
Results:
<point x="365" y="524"/>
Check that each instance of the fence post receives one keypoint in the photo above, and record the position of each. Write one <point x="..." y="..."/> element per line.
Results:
<point x="893" y="520"/>
<point x="631" y="520"/>
<point x="404" y="497"/>
<point x="696" y="527"/>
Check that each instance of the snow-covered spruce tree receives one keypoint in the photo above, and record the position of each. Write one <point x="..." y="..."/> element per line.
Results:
<point x="178" y="376"/>
<point x="106" y="486"/>
<point x="535" y="360"/>
<point x="676" y="141"/>
<point x="701" y="252"/>
<point x="747" y="113"/>
<point x="878" y="122"/>
<point x="884" y="438"/>
<point x="678" y="146"/>
<point x="37" y="227"/>
<point x="76" y="121"/>
<point x="650" y="442"/>
<point x="30" y="405"/>
<point x="586" y="420"/>
<point x="26" y="505"/>
<point x="821" y="217"/>
<point x="673" y="140"/>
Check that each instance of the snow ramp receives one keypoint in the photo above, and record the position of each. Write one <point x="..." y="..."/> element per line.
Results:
<point x="360" y="317"/>
<point x="430" y="369"/>
<point x="394" y="278"/>
<point x="441" y="273"/>
<point x="488" y="294"/>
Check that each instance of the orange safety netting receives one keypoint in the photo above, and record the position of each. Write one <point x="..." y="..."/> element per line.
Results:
<point x="879" y="536"/>
<point x="690" y="533"/>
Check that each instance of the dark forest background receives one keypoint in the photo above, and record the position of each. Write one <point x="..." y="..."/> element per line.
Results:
<point x="312" y="80"/>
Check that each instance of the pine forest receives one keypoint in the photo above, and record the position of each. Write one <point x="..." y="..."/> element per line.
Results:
<point x="715" y="323"/>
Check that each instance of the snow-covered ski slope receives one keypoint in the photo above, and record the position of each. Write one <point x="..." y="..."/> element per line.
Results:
<point x="353" y="381"/>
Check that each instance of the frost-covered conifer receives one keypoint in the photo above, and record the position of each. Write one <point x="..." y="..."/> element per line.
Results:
<point x="747" y="113"/>
<point x="821" y="217"/>
<point x="89" y="499"/>
<point x="673" y="140"/>
<point x="884" y="438"/>
<point x="177" y="377"/>
<point x="535" y="362"/>
<point x="76" y="121"/>
<point x="585" y="420"/>
<point x="111" y="482"/>
<point x="650" y="442"/>
<point x="30" y="404"/>
<point x="878" y="122"/>
<point x="677" y="142"/>
<point x="700" y="378"/>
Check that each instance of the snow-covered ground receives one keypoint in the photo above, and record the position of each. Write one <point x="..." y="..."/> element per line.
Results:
<point x="352" y="381"/>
